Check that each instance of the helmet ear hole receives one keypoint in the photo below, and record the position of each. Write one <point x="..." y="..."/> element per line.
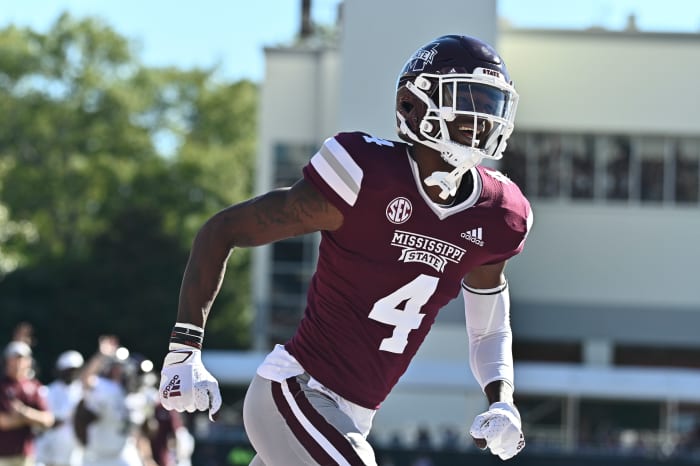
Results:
<point x="426" y="126"/>
<point x="423" y="84"/>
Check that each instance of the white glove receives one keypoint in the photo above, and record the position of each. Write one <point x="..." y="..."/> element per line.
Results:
<point x="501" y="428"/>
<point x="186" y="385"/>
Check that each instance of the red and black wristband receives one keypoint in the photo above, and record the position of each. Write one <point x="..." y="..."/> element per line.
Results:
<point x="187" y="334"/>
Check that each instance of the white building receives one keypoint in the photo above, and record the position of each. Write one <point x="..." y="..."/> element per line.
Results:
<point x="605" y="297"/>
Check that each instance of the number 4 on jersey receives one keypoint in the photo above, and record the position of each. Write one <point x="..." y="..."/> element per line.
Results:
<point x="402" y="310"/>
<point x="496" y="175"/>
<point x="378" y="141"/>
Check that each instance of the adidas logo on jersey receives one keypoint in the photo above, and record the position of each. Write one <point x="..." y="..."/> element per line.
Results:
<point x="475" y="236"/>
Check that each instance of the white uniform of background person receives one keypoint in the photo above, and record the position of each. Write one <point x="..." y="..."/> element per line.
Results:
<point x="111" y="439"/>
<point x="142" y="407"/>
<point x="58" y="446"/>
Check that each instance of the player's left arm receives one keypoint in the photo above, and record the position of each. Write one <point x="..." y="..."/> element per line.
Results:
<point x="487" y="310"/>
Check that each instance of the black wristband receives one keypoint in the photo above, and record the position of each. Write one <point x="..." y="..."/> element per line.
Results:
<point x="187" y="336"/>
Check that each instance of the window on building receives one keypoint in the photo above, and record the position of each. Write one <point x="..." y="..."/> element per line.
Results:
<point x="616" y="153"/>
<point x="513" y="163"/>
<point x="290" y="250"/>
<point x="581" y="167"/>
<point x="687" y="155"/>
<point x="656" y="356"/>
<point x="604" y="168"/>
<point x="289" y="160"/>
<point x="292" y="267"/>
<point x="287" y="299"/>
<point x="292" y="259"/>
<point x="651" y="168"/>
<point x="547" y="351"/>
<point x="547" y="169"/>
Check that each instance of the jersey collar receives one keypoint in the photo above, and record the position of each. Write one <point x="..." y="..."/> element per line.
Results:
<point x="442" y="211"/>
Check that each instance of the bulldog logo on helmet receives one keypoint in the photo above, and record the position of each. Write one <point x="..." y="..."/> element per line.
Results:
<point x="421" y="58"/>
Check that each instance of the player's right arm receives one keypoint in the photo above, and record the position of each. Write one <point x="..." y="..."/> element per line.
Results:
<point x="21" y="415"/>
<point x="276" y="215"/>
<point x="185" y="384"/>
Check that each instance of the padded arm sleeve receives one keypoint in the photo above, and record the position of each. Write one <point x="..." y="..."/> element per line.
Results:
<point x="490" y="336"/>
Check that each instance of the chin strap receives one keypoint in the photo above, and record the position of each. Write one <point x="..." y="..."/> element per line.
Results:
<point x="448" y="182"/>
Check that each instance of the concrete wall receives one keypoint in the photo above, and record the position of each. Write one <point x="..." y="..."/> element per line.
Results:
<point x="640" y="256"/>
<point x="604" y="81"/>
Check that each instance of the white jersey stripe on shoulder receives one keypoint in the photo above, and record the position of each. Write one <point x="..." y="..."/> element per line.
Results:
<point x="310" y="428"/>
<point x="339" y="170"/>
<point x="530" y="220"/>
<point x="347" y="168"/>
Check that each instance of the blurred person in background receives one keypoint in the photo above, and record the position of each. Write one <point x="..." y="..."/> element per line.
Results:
<point x="58" y="446"/>
<point x="171" y="441"/>
<point x="107" y="421"/>
<point x="23" y="408"/>
<point x="405" y="227"/>
<point x="24" y="332"/>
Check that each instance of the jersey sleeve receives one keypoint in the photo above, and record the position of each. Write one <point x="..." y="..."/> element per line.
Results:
<point x="511" y="212"/>
<point x="517" y="224"/>
<point x="520" y="225"/>
<point x="335" y="172"/>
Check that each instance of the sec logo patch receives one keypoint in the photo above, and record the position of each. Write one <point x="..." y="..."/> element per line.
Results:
<point x="399" y="210"/>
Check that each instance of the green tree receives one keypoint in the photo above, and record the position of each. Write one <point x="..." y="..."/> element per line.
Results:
<point x="107" y="169"/>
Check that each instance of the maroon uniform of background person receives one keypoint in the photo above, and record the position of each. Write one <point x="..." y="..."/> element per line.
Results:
<point x="167" y="422"/>
<point x="396" y="254"/>
<point x="15" y="442"/>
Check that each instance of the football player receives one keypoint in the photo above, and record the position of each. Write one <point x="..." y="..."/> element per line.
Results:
<point x="23" y="406"/>
<point x="105" y="422"/>
<point x="58" y="446"/>
<point x="405" y="226"/>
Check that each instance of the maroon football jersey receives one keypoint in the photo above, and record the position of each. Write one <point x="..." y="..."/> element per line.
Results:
<point x="397" y="259"/>
<point x="19" y="440"/>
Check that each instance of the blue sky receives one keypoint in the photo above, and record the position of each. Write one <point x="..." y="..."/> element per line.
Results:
<point x="232" y="33"/>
